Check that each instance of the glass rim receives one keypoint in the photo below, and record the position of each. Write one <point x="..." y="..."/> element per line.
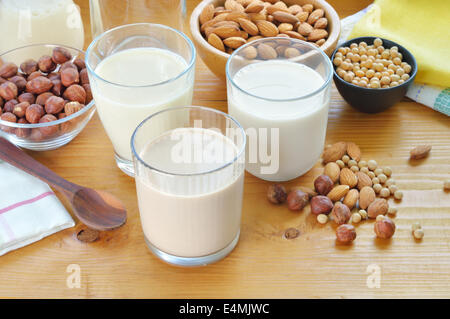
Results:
<point x="86" y="107"/>
<point x="190" y="65"/>
<point x="238" y="155"/>
<point x="321" y="88"/>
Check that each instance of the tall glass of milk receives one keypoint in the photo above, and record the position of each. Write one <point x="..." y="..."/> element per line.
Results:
<point x="28" y="22"/>
<point x="279" y="90"/>
<point x="136" y="70"/>
<point x="189" y="165"/>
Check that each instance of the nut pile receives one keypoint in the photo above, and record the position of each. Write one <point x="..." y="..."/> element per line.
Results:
<point x="43" y="91"/>
<point x="349" y="190"/>
<point x="241" y="21"/>
<point x="371" y="66"/>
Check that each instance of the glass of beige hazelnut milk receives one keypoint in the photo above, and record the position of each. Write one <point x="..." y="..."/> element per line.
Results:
<point x="136" y="70"/>
<point x="189" y="172"/>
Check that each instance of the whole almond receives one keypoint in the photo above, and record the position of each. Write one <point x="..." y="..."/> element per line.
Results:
<point x="295" y="9"/>
<point x="334" y="152"/>
<point x="226" y="23"/>
<point x="351" y="198"/>
<point x="274" y="8"/>
<point x="366" y="197"/>
<point x="254" y="7"/>
<point x="256" y="16"/>
<point x="363" y="180"/>
<point x="379" y="206"/>
<point x="420" y="151"/>
<point x="235" y="16"/>
<point x="338" y="192"/>
<point x="227" y="31"/>
<point x="207" y="13"/>
<point x="295" y="35"/>
<point x="305" y="29"/>
<point x="291" y="53"/>
<point x="314" y="16"/>
<point x="308" y="7"/>
<point x="266" y="52"/>
<point x="266" y="28"/>
<point x="248" y="26"/>
<point x="250" y="52"/>
<point x="284" y="17"/>
<point x="322" y="23"/>
<point x="333" y="171"/>
<point x="216" y="42"/>
<point x="347" y="177"/>
<point x="317" y="34"/>
<point x="233" y="6"/>
<point x="354" y="151"/>
<point x="302" y="16"/>
<point x="256" y="37"/>
<point x="283" y="27"/>
<point x="234" y="42"/>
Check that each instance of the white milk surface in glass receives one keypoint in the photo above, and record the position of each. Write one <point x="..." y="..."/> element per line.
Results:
<point x="301" y="122"/>
<point x="190" y="216"/>
<point x="131" y="98"/>
<point x="27" y="22"/>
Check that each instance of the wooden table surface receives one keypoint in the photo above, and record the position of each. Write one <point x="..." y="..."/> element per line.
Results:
<point x="264" y="263"/>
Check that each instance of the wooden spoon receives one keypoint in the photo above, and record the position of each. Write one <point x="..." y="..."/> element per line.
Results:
<point x="97" y="209"/>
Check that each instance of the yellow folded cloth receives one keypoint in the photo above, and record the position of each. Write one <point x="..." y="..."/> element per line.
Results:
<point x="421" y="26"/>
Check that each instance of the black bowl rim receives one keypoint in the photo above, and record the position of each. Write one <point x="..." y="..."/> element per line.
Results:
<point x="401" y="48"/>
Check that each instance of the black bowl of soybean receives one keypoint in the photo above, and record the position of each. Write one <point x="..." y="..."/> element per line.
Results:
<point x="370" y="100"/>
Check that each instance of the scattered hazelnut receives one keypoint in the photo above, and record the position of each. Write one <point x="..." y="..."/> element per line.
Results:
<point x="341" y="213"/>
<point x="29" y="66"/>
<point x="61" y="55"/>
<point x="8" y="90"/>
<point x="323" y="184"/>
<point x="322" y="218"/>
<point x="321" y="205"/>
<point x="34" y="113"/>
<point x="379" y="206"/>
<point x="46" y="64"/>
<point x="297" y="200"/>
<point x="384" y="228"/>
<point x="345" y="234"/>
<point x="276" y="193"/>
<point x="54" y="105"/>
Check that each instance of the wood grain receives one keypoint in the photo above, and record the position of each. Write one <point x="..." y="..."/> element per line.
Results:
<point x="264" y="263"/>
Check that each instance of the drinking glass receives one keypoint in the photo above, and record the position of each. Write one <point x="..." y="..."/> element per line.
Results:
<point x="121" y="107"/>
<point x="108" y="14"/>
<point x="279" y="90"/>
<point x="190" y="190"/>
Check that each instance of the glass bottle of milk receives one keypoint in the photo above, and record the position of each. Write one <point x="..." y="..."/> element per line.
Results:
<point x="40" y="21"/>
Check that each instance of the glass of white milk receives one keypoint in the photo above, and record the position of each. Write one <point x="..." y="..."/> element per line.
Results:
<point x="279" y="90"/>
<point x="136" y="70"/>
<point x="189" y="173"/>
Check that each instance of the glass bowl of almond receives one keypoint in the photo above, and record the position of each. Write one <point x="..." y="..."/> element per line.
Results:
<point x="45" y="96"/>
<point x="219" y="27"/>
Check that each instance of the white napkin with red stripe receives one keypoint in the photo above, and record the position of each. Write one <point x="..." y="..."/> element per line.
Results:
<point x="29" y="210"/>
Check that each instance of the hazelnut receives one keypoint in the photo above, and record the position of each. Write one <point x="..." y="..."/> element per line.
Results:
<point x="42" y="98"/>
<point x="64" y="127"/>
<point x="84" y="78"/>
<point x="341" y="213"/>
<point x="20" y="108"/>
<point x="79" y="62"/>
<point x="39" y="85"/>
<point x="26" y="97"/>
<point x="384" y="228"/>
<point x="34" y="113"/>
<point x="297" y="200"/>
<point x="9" y="106"/>
<point x="54" y="76"/>
<point x="34" y="75"/>
<point x="8" y="70"/>
<point x="69" y="76"/>
<point x="22" y="132"/>
<point x="19" y="81"/>
<point x="61" y="55"/>
<point x="66" y="65"/>
<point x="323" y="184"/>
<point x="54" y="105"/>
<point x="8" y="91"/>
<point x="46" y="64"/>
<point x="276" y="193"/>
<point x="29" y="66"/>
<point x="36" y="135"/>
<point x="8" y="117"/>
<point x="48" y="130"/>
<point x="76" y="93"/>
<point x="89" y="97"/>
<point x="57" y="88"/>
<point x="345" y="234"/>
<point x="321" y="205"/>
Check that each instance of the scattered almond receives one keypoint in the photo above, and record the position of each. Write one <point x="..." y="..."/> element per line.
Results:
<point x="366" y="197"/>
<point x="354" y="151"/>
<point x="351" y="198"/>
<point x="332" y="170"/>
<point x="363" y="180"/>
<point x="334" y="152"/>
<point x="378" y="207"/>
<point x="338" y="192"/>
<point x="420" y="152"/>
<point x="347" y="177"/>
